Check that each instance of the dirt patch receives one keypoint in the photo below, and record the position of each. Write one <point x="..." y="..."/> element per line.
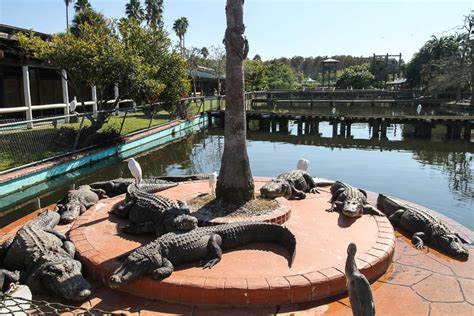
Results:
<point x="207" y="205"/>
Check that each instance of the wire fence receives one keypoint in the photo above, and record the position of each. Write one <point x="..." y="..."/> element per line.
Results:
<point x="11" y="305"/>
<point x="27" y="142"/>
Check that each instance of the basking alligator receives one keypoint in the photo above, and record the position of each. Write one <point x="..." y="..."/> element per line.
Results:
<point x="424" y="227"/>
<point x="291" y="185"/>
<point x="153" y="213"/>
<point x="204" y="243"/>
<point x="47" y="258"/>
<point x="360" y="293"/>
<point x="350" y="201"/>
<point x="78" y="201"/>
<point x="150" y="185"/>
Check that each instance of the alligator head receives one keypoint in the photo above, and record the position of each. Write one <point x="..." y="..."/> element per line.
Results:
<point x="185" y="222"/>
<point x="276" y="188"/>
<point x="63" y="277"/>
<point x="353" y="207"/>
<point x="451" y="244"/>
<point x="135" y="265"/>
<point x="70" y="211"/>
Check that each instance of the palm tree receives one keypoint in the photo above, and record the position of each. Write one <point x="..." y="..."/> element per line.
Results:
<point x="67" y="3"/>
<point x="134" y="10"/>
<point x="205" y="52"/>
<point x="180" y="27"/>
<point x="82" y="5"/>
<point x="235" y="182"/>
<point x="154" y="13"/>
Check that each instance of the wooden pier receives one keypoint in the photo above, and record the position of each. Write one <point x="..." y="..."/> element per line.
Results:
<point x="456" y="126"/>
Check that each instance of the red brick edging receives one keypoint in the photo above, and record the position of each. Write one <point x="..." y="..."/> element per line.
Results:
<point x="310" y="285"/>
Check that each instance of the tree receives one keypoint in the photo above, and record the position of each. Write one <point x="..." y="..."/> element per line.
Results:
<point x="180" y="27"/>
<point x="154" y="13"/>
<point x="91" y="17"/>
<point x="256" y="78"/>
<point x="82" y="5"/>
<point x="205" y="52"/>
<point x="217" y="62"/>
<point x="119" y="53"/>
<point x="257" y="57"/>
<point x="134" y="10"/>
<point x="357" y="76"/>
<point x="67" y="3"/>
<point x="281" y="76"/>
<point x="235" y="182"/>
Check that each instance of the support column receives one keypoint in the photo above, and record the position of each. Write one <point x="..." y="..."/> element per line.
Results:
<point x="348" y="129"/>
<point x="334" y="128"/>
<point x="274" y="124"/>
<point x="467" y="131"/>
<point x="307" y="127"/>
<point x="300" y="126"/>
<point x="383" y="130"/>
<point x="316" y="128"/>
<point x="27" y="95"/>
<point x="283" y="124"/>
<point x="342" y="132"/>
<point x="94" y="99"/>
<point x="65" y="93"/>
<point x="456" y="131"/>
<point x="375" y="129"/>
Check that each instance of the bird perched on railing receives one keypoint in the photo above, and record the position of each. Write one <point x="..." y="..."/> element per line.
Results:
<point x="302" y="164"/>
<point x="333" y="111"/>
<point x="73" y="105"/>
<point x="135" y="170"/>
<point x="419" y="108"/>
<point x="213" y="181"/>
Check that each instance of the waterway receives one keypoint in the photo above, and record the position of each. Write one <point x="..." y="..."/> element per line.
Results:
<point x="436" y="173"/>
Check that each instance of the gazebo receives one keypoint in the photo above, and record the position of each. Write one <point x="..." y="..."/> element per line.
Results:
<point x="329" y="66"/>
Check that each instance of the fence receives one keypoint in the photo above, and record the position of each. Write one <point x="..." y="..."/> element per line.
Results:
<point x="25" y="142"/>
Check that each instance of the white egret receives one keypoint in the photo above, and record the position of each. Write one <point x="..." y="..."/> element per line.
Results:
<point x="73" y="105"/>
<point x="213" y="181"/>
<point x="302" y="164"/>
<point x="135" y="170"/>
<point x="418" y="108"/>
<point x="333" y="111"/>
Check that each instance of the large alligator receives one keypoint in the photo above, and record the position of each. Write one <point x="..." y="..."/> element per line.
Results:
<point x="119" y="186"/>
<point x="424" y="226"/>
<point x="291" y="185"/>
<point x="204" y="243"/>
<point x="358" y="287"/>
<point x="47" y="259"/>
<point x="78" y="201"/>
<point x="150" y="213"/>
<point x="350" y="201"/>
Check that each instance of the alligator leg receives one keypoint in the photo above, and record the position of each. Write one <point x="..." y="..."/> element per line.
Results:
<point x="295" y="193"/>
<point x="4" y="248"/>
<point x="215" y="251"/>
<point x="141" y="228"/>
<point x="461" y="239"/>
<point x="101" y="193"/>
<point x="310" y="181"/>
<point x="122" y="209"/>
<point x="417" y="239"/>
<point x="335" y="206"/>
<point x="70" y="248"/>
<point x="57" y="234"/>
<point x="396" y="216"/>
<point x="9" y="277"/>
<point x="164" y="271"/>
<point x="369" y="209"/>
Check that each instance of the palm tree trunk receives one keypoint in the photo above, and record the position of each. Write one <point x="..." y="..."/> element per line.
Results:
<point x="235" y="182"/>
<point x="67" y="17"/>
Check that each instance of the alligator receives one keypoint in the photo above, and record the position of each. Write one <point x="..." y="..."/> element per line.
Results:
<point x="350" y="201"/>
<point x="360" y="293"/>
<point x="6" y="278"/>
<point x="78" y="201"/>
<point x="119" y="186"/>
<point x="424" y="226"/>
<point x="46" y="258"/>
<point x="291" y="185"/>
<point x="204" y="243"/>
<point x="149" y="213"/>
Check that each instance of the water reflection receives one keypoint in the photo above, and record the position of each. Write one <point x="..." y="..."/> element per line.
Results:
<point x="437" y="174"/>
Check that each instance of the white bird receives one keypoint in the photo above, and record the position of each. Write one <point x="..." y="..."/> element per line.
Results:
<point x="333" y="110"/>
<point x="418" y="108"/>
<point x="302" y="164"/>
<point x="135" y="170"/>
<point x="72" y="105"/>
<point x="213" y="181"/>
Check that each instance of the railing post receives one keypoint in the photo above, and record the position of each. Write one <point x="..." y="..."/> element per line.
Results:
<point x="94" y="99"/>
<point x="65" y="93"/>
<point x="116" y="95"/>
<point x="27" y="95"/>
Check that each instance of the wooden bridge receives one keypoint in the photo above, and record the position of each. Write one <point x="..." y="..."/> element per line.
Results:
<point x="456" y="126"/>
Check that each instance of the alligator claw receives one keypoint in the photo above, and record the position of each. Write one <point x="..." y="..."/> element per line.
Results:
<point x="330" y="210"/>
<point x="419" y="245"/>
<point x="314" y="191"/>
<point x="210" y="263"/>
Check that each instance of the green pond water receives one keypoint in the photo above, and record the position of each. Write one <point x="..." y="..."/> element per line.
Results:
<point x="436" y="173"/>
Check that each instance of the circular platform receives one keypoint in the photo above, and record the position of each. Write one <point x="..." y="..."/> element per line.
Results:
<point x="253" y="275"/>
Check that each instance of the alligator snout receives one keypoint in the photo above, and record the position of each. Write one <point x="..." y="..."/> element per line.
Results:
<point x="353" y="208"/>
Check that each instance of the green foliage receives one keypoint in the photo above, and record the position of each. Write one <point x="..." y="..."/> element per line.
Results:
<point x="255" y="75"/>
<point x="91" y="17"/>
<point x="82" y="5"/>
<point x="282" y="76"/>
<point x="357" y="76"/>
<point x="180" y="27"/>
<point x="133" y="10"/>
<point x="154" y="13"/>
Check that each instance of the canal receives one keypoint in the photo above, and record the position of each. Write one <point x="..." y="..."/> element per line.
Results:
<point x="436" y="173"/>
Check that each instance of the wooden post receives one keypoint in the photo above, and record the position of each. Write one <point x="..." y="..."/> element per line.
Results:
<point x="94" y="99"/>
<point x="116" y="95"/>
<point x="307" y="127"/>
<point x="456" y="131"/>
<point x="27" y="95"/>
<point x="274" y="124"/>
<point x="283" y="125"/>
<point x="315" y="127"/>
<point x="467" y="131"/>
<point x="375" y="129"/>
<point x="383" y="130"/>
<point x="65" y="93"/>
<point x="334" y="128"/>
<point x="342" y="132"/>
<point x="348" y="130"/>
<point x="300" y="126"/>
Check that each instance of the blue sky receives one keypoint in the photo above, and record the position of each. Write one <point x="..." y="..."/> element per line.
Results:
<point x="278" y="28"/>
